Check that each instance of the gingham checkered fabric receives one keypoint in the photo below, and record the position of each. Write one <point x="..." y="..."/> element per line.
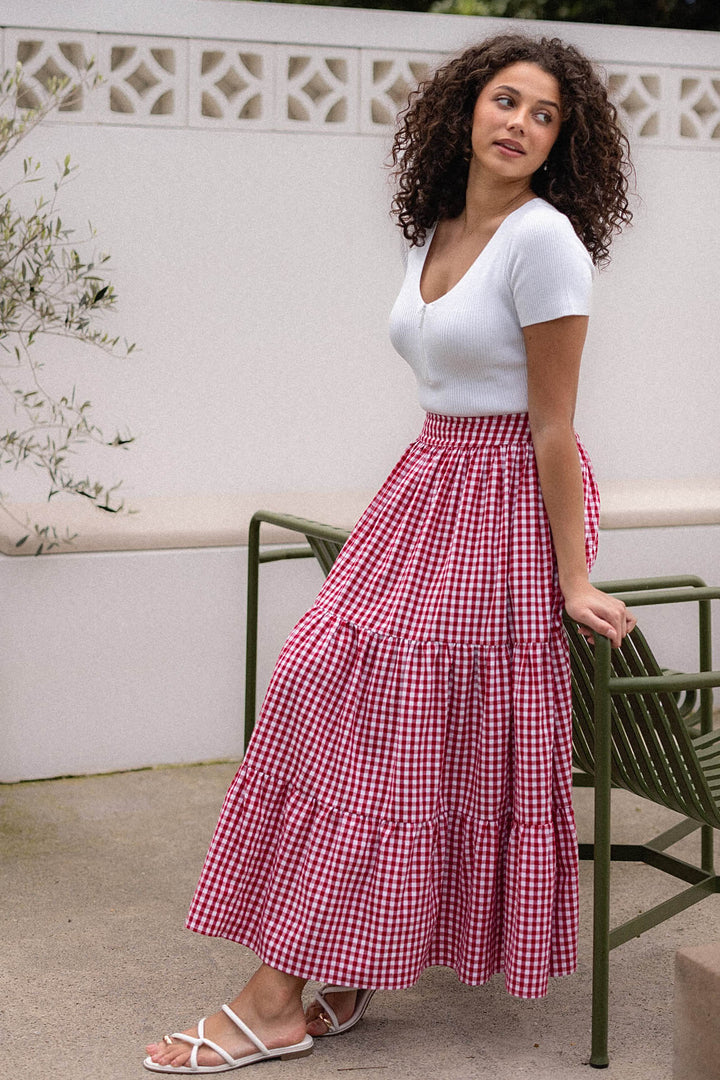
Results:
<point x="406" y="798"/>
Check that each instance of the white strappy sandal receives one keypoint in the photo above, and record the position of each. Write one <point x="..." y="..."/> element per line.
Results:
<point x="300" y="1049"/>
<point x="328" y="1016"/>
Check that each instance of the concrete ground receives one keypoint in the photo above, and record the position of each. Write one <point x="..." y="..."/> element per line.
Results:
<point x="97" y="874"/>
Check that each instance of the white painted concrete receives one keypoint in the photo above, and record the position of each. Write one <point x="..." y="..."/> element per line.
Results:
<point x="121" y="660"/>
<point x="256" y="269"/>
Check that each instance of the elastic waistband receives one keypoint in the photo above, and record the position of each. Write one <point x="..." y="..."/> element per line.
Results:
<point x="478" y="430"/>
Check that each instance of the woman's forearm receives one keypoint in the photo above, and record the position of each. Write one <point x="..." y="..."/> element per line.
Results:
<point x="553" y="354"/>
<point x="561" y="482"/>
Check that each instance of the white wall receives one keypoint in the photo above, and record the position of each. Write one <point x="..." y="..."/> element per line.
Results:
<point x="256" y="263"/>
<point x="256" y="266"/>
<point x="119" y="661"/>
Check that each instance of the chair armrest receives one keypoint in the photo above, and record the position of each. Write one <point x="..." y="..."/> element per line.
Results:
<point x="298" y="524"/>
<point x="648" y="684"/>
<point x="678" y="589"/>
<point x="650" y="597"/>
<point x="674" y="581"/>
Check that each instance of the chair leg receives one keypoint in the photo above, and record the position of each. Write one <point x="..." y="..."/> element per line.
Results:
<point x="601" y="872"/>
<point x="707" y="842"/>
<point x="601" y="964"/>
<point x="251" y="629"/>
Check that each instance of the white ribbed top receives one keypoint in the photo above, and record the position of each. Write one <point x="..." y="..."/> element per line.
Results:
<point x="466" y="348"/>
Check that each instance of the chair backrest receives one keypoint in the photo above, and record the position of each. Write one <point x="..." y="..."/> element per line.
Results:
<point x="653" y="754"/>
<point x="325" y="551"/>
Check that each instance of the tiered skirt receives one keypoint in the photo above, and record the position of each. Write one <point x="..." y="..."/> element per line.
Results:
<point x="405" y="800"/>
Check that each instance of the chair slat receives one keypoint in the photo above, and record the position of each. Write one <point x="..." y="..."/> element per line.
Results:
<point x="633" y="764"/>
<point x="710" y="740"/>
<point x="325" y="551"/>
<point x="656" y="774"/>
<point x="654" y="755"/>
<point x="675" y="737"/>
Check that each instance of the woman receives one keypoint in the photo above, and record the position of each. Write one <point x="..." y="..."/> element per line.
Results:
<point x="406" y="798"/>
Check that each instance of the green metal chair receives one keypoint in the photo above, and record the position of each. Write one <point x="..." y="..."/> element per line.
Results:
<point x="632" y="729"/>
<point x="322" y="542"/>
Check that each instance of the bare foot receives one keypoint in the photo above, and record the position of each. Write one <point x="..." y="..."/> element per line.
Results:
<point x="342" y="1004"/>
<point x="272" y="1011"/>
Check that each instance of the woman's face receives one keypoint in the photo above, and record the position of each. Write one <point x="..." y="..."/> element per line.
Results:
<point x="516" y="121"/>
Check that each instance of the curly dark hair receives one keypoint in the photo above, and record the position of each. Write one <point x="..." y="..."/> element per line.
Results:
<point x="586" y="173"/>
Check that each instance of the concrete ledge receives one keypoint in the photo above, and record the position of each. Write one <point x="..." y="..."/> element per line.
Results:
<point x="206" y="521"/>
<point x="697" y="1004"/>
<point x="193" y="521"/>
<point x="637" y="504"/>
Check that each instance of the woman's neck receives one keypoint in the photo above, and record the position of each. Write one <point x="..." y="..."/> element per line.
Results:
<point x="485" y="203"/>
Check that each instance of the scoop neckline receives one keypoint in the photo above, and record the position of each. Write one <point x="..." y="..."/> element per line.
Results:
<point x="473" y="264"/>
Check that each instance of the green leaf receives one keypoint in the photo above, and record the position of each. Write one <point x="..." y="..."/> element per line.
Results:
<point x="48" y="290"/>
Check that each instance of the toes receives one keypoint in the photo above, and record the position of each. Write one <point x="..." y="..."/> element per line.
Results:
<point x="342" y="1003"/>
<point x="155" y="1051"/>
<point x="172" y="1056"/>
<point x="161" y="1057"/>
<point x="163" y="1054"/>
<point x="313" y="1023"/>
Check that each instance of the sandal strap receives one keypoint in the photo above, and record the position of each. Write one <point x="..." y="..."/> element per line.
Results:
<point x="200" y="1041"/>
<point x="332" y="1016"/>
<point x="245" y="1030"/>
<point x="195" y="1041"/>
<point x="227" y="1058"/>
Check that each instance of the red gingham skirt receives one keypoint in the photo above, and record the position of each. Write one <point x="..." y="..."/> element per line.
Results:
<point x="406" y="798"/>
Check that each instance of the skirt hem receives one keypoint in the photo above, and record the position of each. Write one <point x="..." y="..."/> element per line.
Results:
<point x="329" y="975"/>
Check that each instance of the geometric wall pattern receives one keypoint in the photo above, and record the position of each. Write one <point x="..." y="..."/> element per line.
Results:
<point x="181" y="82"/>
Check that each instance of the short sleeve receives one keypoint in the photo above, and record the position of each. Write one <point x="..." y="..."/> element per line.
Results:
<point x="550" y="271"/>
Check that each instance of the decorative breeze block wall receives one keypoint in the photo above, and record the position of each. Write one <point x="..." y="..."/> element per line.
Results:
<point x="233" y="84"/>
<point x="145" y="80"/>
<point x="182" y="82"/>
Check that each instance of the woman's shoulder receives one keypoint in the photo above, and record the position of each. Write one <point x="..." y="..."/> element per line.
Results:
<point x="540" y="217"/>
<point x="541" y="228"/>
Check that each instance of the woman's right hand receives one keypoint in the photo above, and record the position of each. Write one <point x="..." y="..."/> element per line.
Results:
<point x="597" y="612"/>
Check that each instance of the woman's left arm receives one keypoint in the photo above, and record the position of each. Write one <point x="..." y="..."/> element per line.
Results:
<point x="554" y="350"/>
